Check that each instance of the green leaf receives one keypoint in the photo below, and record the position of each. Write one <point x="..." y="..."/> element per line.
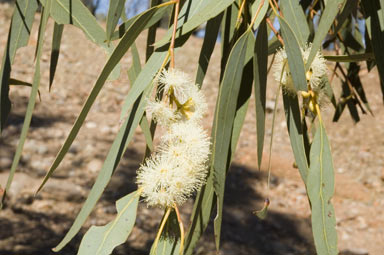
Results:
<point x="210" y="37"/>
<point x="294" y="15"/>
<point x="328" y="91"/>
<point x="55" y="51"/>
<point x="74" y="12"/>
<point x="31" y="103"/>
<point x="114" y="59"/>
<point x="114" y="12"/>
<point x="201" y="214"/>
<point x="295" y="59"/>
<point x="296" y="134"/>
<point x="133" y="72"/>
<point x="351" y="58"/>
<point x="21" y="25"/>
<point x="19" y="31"/>
<point x="169" y="243"/>
<point x="224" y="119"/>
<point x="123" y="137"/>
<point x="320" y="185"/>
<point x="119" y="146"/>
<point x="349" y="7"/>
<point x="141" y="82"/>
<point x="151" y="37"/>
<point x="260" y="62"/>
<point x="19" y="82"/>
<point x="228" y="35"/>
<point x="101" y="240"/>
<point x="326" y="20"/>
<point x="262" y="214"/>
<point x="163" y="9"/>
<point x="242" y="101"/>
<point x="374" y="15"/>
<point x="194" y="16"/>
<point x="262" y="12"/>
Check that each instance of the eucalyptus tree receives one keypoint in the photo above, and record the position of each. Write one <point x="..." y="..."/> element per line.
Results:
<point x="187" y="161"/>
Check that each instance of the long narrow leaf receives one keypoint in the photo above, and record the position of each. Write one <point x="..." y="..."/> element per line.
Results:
<point x="374" y="16"/>
<point x="260" y="61"/>
<point x="204" y="11"/>
<point x="327" y="18"/>
<point x="294" y="15"/>
<point x="211" y="33"/>
<point x="114" y="12"/>
<point x="55" y="51"/>
<point x="296" y="134"/>
<point x="118" y="147"/>
<point x="101" y="240"/>
<point x="351" y="58"/>
<point x="320" y="185"/>
<point x="31" y="103"/>
<point x="295" y="60"/>
<point x="114" y="59"/>
<point x="19" y="32"/>
<point x="76" y="13"/>
<point x="223" y="123"/>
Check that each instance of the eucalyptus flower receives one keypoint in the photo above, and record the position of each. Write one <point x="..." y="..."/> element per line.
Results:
<point x="314" y="75"/>
<point x="177" y="168"/>
<point x="161" y="112"/>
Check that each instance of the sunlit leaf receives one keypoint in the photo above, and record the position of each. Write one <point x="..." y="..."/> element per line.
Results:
<point x="119" y="146"/>
<point x="101" y="240"/>
<point x="320" y="186"/>
<point x="294" y="15"/>
<point x="114" y="59"/>
<point x="295" y="59"/>
<point x="202" y="11"/>
<point x="114" y="13"/>
<point x="224" y="119"/>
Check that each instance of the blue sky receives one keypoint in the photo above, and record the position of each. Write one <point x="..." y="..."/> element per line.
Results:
<point x="132" y="7"/>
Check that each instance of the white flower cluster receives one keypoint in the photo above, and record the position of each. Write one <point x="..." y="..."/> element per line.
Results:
<point x="316" y="72"/>
<point x="178" y="167"/>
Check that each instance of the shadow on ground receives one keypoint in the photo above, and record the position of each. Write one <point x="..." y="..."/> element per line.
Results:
<point x="26" y="230"/>
<point x="242" y="232"/>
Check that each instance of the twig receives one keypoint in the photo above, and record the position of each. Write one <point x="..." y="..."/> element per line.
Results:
<point x="257" y="14"/>
<point x="181" y="250"/>
<point x="172" y="46"/>
<point x="275" y="31"/>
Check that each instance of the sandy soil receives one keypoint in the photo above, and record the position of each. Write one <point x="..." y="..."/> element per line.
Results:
<point x="33" y="225"/>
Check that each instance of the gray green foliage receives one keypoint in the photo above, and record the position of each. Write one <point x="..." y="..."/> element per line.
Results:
<point x="103" y="239"/>
<point x="244" y="29"/>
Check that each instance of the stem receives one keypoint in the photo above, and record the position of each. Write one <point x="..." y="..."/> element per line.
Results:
<point x="239" y="14"/>
<point x="181" y="250"/>
<point x="161" y="227"/>
<point x="351" y="88"/>
<point x="172" y="46"/>
<point x="273" y="7"/>
<point x="257" y="13"/>
<point x="275" y="31"/>
<point x="318" y="113"/>
<point x="278" y="8"/>
<point x="272" y="132"/>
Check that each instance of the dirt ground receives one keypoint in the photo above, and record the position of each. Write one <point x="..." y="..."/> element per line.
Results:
<point x="33" y="225"/>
